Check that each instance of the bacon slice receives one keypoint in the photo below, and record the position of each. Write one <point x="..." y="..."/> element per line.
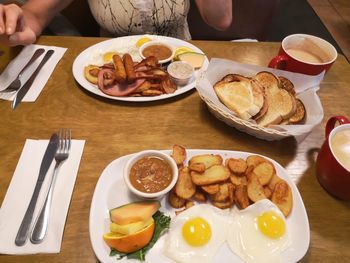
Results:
<point x="116" y="89"/>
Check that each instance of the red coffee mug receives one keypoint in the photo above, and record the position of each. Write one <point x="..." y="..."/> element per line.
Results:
<point x="304" y="54"/>
<point x="332" y="175"/>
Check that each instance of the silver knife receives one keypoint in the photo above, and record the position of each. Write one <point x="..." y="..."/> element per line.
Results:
<point x="49" y="155"/>
<point x="23" y="91"/>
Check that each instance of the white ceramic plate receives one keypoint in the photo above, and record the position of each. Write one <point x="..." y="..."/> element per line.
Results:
<point x="111" y="192"/>
<point x="93" y="55"/>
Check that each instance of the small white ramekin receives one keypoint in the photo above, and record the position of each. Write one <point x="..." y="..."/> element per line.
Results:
<point x="151" y="43"/>
<point x="183" y="80"/>
<point x="138" y="156"/>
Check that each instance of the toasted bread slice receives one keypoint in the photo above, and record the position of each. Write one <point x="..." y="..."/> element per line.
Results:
<point x="299" y="114"/>
<point x="287" y="85"/>
<point x="265" y="106"/>
<point x="267" y="80"/>
<point x="241" y="95"/>
<point x="281" y="104"/>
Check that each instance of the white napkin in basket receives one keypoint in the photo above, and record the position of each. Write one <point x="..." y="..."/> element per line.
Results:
<point x="16" y="65"/>
<point x="20" y="192"/>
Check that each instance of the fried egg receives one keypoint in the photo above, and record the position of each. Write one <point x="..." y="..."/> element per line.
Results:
<point x="196" y="234"/>
<point x="259" y="233"/>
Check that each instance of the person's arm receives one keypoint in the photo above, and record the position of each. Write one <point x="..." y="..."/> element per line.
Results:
<point x="21" y="25"/>
<point x="217" y="14"/>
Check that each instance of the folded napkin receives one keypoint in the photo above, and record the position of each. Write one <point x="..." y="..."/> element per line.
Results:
<point x="16" y="65"/>
<point x="20" y="192"/>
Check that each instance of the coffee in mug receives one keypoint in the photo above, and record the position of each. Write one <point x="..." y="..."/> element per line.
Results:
<point x="333" y="160"/>
<point x="340" y="146"/>
<point x="304" y="54"/>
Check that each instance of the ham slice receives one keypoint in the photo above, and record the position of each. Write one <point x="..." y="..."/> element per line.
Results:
<point x="117" y="89"/>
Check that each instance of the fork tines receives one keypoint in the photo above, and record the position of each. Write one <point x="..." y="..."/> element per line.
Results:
<point x="65" y="138"/>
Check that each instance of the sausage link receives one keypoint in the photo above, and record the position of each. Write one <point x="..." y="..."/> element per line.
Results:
<point x="120" y="74"/>
<point x="129" y="68"/>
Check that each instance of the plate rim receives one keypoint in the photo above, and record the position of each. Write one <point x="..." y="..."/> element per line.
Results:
<point x="77" y="70"/>
<point x="296" y="193"/>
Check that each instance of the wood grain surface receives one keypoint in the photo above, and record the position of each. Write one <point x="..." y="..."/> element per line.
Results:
<point x="113" y="129"/>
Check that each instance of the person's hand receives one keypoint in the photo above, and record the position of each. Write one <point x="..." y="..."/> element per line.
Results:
<point x="14" y="28"/>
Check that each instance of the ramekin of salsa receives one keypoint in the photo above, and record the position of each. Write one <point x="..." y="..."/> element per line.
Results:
<point x="150" y="174"/>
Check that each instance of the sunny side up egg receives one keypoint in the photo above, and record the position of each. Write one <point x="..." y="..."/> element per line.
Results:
<point x="196" y="234"/>
<point x="259" y="233"/>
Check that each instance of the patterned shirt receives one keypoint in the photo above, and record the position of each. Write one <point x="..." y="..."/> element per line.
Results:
<point x="133" y="17"/>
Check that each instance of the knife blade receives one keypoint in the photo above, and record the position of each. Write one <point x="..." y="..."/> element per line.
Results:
<point x="26" y="86"/>
<point x="49" y="155"/>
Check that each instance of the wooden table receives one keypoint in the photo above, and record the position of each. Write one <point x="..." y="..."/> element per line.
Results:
<point x="113" y="129"/>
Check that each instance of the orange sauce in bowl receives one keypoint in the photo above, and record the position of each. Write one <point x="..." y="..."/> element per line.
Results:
<point x="150" y="174"/>
<point x="160" y="51"/>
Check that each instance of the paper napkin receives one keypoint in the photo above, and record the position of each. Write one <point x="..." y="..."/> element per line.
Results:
<point x="20" y="192"/>
<point x="16" y="65"/>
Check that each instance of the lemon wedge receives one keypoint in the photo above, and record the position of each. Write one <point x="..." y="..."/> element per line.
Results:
<point x="181" y="50"/>
<point x="108" y="56"/>
<point x="142" y="41"/>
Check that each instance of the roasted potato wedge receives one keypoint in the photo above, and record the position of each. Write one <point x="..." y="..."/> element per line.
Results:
<point x="254" y="160"/>
<point x="200" y="196"/>
<point x="264" y="171"/>
<point x="212" y="175"/>
<point x="274" y="180"/>
<point x="254" y="188"/>
<point x="231" y="192"/>
<point x="237" y="180"/>
<point x="237" y="166"/>
<point x="143" y="87"/>
<point x="267" y="192"/>
<point x="175" y="201"/>
<point x="197" y="167"/>
<point x="222" y="205"/>
<point x="282" y="197"/>
<point x="241" y="196"/>
<point x="189" y="204"/>
<point x="207" y="159"/>
<point x="222" y="195"/>
<point x="179" y="154"/>
<point x="184" y="187"/>
<point x="211" y="188"/>
<point x="151" y="92"/>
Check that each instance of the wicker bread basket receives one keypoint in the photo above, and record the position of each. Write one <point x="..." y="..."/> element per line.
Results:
<point x="309" y="97"/>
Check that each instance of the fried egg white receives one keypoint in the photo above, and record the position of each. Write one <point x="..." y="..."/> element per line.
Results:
<point x="196" y="234"/>
<point x="259" y="233"/>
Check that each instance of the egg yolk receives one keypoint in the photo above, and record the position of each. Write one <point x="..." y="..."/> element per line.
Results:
<point x="271" y="225"/>
<point x="196" y="231"/>
<point x="108" y="57"/>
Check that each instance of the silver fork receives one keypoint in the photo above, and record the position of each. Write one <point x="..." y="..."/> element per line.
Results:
<point x="16" y="84"/>
<point x="42" y="221"/>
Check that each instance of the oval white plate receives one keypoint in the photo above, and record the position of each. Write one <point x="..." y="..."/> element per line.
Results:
<point x="111" y="192"/>
<point x="91" y="54"/>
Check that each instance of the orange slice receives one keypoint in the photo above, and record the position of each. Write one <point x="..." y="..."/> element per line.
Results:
<point x="130" y="243"/>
